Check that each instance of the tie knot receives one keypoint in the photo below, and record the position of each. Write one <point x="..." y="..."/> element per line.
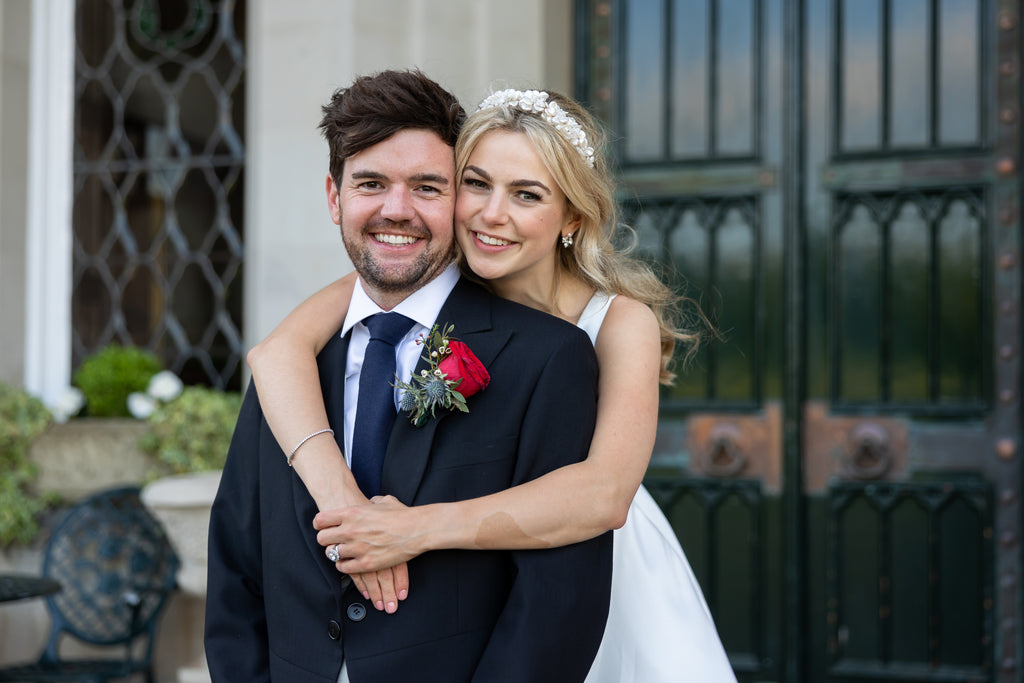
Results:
<point x="388" y="327"/>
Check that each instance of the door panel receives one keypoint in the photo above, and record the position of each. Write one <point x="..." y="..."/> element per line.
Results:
<point x="898" y="418"/>
<point x="835" y="181"/>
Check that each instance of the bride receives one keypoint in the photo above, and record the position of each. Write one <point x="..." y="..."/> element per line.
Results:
<point x="534" y="216"/>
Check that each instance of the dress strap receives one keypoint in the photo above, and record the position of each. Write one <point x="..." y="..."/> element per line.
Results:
<point x="593" y="314"/>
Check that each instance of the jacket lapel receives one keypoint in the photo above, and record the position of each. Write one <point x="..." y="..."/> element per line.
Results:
<point x="468" y="308"/>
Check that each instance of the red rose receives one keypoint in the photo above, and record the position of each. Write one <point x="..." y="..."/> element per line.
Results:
<point x="462" y="364"/>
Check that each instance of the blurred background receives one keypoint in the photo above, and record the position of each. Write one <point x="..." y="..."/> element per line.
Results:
<point x="835" y="181"/>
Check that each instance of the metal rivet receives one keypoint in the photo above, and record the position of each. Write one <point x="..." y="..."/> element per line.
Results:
<point x="987" y="603"/>
<point x="1007" y="538"/>
<point x="1008" y="307"/>
<point x="1007" y="115"/>
<point x="1007" y="395"/>
<point x="1006" y="216"/>
<point x="603" y="51"/>
<point x="1008" y="497"/>
<point x="1007" y="352"/>
<point x="1009" y="664"/>
<point x="987" y="533"/>
<point x="1007" y="21"/>
<point x="1006" y="448"/>
<point x="1007" y="260"/>
<point x="1009" y="623"/>
<point x="604" y="94"/>
<point x="1005" y="166"/>
<point x="1008" y="581"/>
<point x="1007" y="68"/>
<point x="603" y="9"/>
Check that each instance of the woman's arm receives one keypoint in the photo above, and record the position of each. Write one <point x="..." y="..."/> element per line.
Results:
<point x="571" y="504"/>
<point x="285" y="372"/>
<point x="288" y="383"/>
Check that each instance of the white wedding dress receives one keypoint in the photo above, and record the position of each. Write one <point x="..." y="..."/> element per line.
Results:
<point x="659" y="627"/>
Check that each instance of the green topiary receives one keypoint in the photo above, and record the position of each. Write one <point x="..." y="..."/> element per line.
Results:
<point x="108" y="377"/>
<point x="192" y="432"/>
<point x="22" y="419"/>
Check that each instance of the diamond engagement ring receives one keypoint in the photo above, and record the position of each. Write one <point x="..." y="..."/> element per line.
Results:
<point x="332" y="554"/>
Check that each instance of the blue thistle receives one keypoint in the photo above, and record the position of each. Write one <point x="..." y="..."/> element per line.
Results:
<point x="407" y="402"/>
<point x="436" y="389"/>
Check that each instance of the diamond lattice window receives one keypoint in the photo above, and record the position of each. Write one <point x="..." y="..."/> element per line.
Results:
<point x="158" y="163"/>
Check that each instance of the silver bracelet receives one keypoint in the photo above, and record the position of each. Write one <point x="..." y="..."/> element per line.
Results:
<point x="304" y="440"/>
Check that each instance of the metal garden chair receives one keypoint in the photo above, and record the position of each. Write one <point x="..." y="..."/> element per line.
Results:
<point x="116" y="568"/>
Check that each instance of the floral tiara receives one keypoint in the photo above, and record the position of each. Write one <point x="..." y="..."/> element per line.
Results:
<point x="536" y="102"/>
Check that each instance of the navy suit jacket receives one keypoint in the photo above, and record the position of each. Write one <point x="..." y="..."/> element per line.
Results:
<point x="278" y="610"/>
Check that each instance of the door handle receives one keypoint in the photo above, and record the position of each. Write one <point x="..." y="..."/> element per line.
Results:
<point x="723" y="456"/>
<point x="869" y="455"/>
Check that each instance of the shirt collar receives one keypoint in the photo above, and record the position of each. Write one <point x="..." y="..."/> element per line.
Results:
<point x="422" y="306"/>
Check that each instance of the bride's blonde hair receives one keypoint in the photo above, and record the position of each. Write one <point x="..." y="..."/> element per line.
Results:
<point x="589" y="189"/>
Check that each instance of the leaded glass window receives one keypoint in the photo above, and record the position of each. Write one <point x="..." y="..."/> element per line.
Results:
<point x="158" y="167"/>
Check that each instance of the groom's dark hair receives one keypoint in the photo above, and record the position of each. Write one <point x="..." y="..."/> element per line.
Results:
<point x="376" y="107"/>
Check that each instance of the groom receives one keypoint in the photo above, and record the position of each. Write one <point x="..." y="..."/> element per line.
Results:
<point x="276" y="609"/>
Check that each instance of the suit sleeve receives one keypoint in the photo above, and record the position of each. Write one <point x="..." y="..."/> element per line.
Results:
<point x="554" y="619"/>
<point x="236" y="625"/>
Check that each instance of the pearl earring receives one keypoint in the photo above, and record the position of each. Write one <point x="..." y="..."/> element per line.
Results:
<point x="567" y="240"/>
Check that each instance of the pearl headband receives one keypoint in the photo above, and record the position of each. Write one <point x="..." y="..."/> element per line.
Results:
<point x="536" y="102"/>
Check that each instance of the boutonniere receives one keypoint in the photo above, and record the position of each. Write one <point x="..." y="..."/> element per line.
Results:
<point x="454" y="375"/>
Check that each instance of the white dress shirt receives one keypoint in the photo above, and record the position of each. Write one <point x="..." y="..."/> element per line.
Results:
<point x="422" y="306"/>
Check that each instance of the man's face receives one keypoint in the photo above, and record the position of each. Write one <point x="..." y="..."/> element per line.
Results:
<point x="394" y="206"/>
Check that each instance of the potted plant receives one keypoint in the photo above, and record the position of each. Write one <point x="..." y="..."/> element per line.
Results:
<point x="108" y="378"/>
<point x="94" y="445"/>
<point x="188" y="434"/>
<point x="23" y="418"/>
<point x="189" y="431"/>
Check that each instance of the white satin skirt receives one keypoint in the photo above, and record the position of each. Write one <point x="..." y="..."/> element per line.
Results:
<point x="659" y="627"/>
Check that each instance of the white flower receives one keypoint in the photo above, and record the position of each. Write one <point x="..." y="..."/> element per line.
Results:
<point x="68" y="404"/>
<point x="141" y="405"/>
<point x="536" y="102"/>
<point x="164" y="386"/>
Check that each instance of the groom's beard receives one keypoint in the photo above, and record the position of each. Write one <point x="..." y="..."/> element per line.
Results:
<point x="397" y="278"/>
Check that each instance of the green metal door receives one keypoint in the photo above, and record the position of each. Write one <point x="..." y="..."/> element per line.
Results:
<point x="837" y="182"/>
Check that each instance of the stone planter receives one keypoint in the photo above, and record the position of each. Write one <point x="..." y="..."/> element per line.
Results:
<point x="86" y="455"/>
<point x="182" y="504"/>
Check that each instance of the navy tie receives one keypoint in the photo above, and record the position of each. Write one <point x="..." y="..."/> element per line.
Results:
<point x="375" y="410"/>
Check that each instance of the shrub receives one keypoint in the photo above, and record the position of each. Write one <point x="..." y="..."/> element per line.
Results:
<point x="108" y="377"/>
<point x="192" y="432"/>
<point x="22" y="419"/>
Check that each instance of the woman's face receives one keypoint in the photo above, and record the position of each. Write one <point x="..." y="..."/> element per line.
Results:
<point x="510" y="213"/>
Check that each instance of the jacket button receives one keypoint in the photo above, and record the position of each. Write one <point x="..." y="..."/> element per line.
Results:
<point x="356" y="612"/>
<point x="333" y="629"/>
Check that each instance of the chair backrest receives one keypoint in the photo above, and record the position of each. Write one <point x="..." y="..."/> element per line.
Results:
<point x="116" y="568"/>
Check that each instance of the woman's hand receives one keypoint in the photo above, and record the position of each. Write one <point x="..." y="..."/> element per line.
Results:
<point x="370" y="538"/>
<point x="383" y="588"/>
